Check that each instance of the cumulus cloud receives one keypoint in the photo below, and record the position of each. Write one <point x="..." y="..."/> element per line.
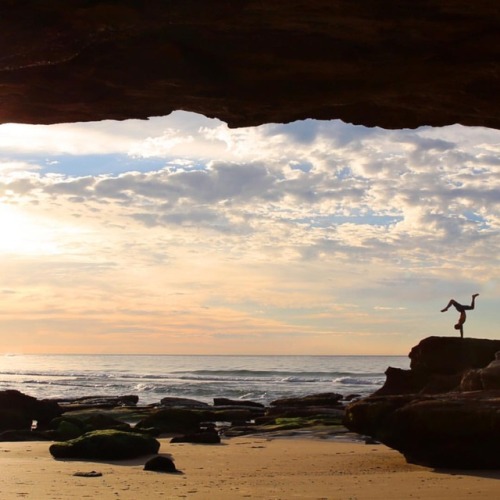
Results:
<point x="336" y="213"/>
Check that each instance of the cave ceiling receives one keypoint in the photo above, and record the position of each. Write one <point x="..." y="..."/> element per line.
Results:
<point x="393" y="64"/>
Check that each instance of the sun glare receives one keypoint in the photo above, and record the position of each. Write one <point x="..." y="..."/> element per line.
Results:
<point x="21" y="233"/>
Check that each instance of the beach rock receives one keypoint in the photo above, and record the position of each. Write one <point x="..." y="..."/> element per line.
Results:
<point x="68" y="427"/>
<point x="438" y="364"/>
<point x="327" y="399"/>
<point x="14" y="420"/>
<point x="86" y="402"/>
<point x="91" y="473"/>
<point x="242" y="403"/>
<point x="106" y="445"/>
<point x="100" y="421"/>
<point x="161" y="463"/>
<point x="448" y="411"/>
<point x="20" y="410"/>
<point x="172" y="420"/>
<point x="452" y="430"/>
<point x="210" y="436"/>
<point x="399" y="381"/>
<point x="65" y="428"/>
<point x="172" y="402"/>
<point x="451" y="355"/>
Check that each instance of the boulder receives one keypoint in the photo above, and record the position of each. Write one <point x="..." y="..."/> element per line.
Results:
<point x="24" y="409"/>
<point x="100" y="421"/>
<point x="209" y="436"/>
<point x="172" y="420"/>
<point x="172" y="402"/>
<point x="161" y="463"/>
<point x="106" y="445"/>
<point x="66" y="427"/>
<point x="450" y="355"/>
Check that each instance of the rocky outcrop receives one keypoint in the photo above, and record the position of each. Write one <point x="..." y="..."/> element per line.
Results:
<point x="454" y="430"/>
<point x="18" y="411"/>
<point x="436" y="420"/>
<point x="248" y="62"/>
<point x="438" y="364"/>
<point x="450" y="355"/>
<point x="98" y="402"/>
<point x="240" y="403"/>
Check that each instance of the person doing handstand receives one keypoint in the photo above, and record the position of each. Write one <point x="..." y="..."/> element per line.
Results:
<point x="461" y="309"/>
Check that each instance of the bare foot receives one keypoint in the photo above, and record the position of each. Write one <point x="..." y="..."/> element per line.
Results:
<point x="444" y="310"/>
<point x="475" y="295"/>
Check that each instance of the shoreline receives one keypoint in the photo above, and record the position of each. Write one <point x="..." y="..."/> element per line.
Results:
<point x="261" y="467"/>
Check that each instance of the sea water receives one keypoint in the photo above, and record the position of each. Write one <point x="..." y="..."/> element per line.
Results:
<point x="153" y="377"/>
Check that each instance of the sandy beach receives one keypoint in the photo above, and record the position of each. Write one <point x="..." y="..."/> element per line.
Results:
<point x="250" y="467"/>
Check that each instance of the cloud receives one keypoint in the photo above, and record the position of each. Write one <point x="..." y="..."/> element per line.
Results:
<point x="276" y="226"/>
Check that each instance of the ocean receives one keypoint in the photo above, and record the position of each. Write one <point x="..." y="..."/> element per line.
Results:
<point x="153" y="377"/>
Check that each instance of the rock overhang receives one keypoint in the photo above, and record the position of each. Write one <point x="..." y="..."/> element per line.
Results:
<point x="391" y="64"/>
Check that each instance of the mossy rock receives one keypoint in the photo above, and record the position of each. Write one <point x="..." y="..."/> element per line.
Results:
<point x="106" y="445"/>
<point x="101" y="421"/>
<point x="68" y="430"/>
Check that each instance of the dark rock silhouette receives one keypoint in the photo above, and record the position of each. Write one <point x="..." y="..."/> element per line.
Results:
<point x="161" y="463"/>
<point x="242" y="403"/>
<point x="172" y="402"/>
<point x="206" y="436"/>
<point x="103" y="402"/>
<point x="438" y="364"/>
<point x="405" y="64"/>
<point x="17" y="411"/>
<point x="486" y="378"/>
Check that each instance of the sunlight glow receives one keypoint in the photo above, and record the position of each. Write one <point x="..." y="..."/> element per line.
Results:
<point x="20" y="233"/>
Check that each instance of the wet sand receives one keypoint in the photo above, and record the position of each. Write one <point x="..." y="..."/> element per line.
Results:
<point x="250" y="467"/>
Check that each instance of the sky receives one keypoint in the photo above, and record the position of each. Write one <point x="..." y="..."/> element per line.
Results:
<point x="179" y="235"/>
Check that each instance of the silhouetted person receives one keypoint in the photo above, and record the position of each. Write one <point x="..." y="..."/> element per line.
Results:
<point x="461" y="309"/>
